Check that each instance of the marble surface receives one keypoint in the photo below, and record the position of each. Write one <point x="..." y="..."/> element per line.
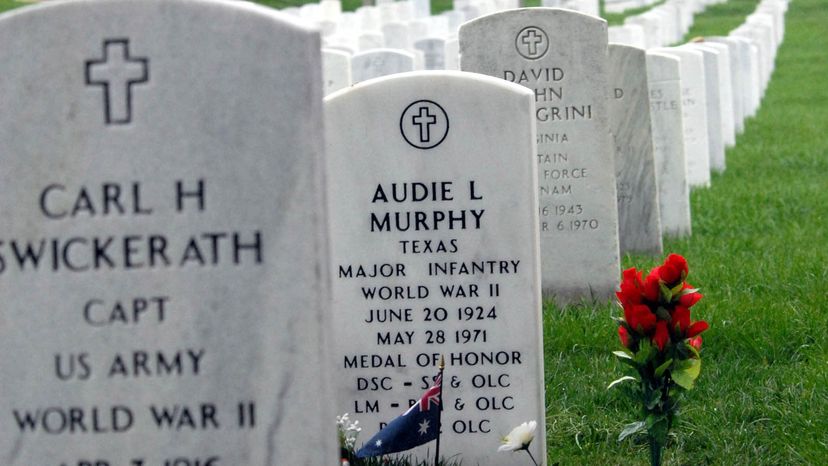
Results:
<point x="368" y="40"/>
<point x="436" y="253"/>
<point x="628" y="34"/>
<point x="738" y="72"/>
<point x="434" y="52"/>
<point x="761" y="52"/>
<point x="750" y="75"/>
<point x="336" y="70"/>
<point x="714" y="100"/>
<point x="169" y="178"/>
<point x="380" y="62"/>
<point x="396" y="35"/>
<point x="664" y="81"/>
<point x="694" y="118"/>
<point x="725" y="91"/>
<point x="639" y="222"/>
<point x="561" y="56"/>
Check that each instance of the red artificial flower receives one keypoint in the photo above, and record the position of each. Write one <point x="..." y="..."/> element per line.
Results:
<point x="689" y="299"/>
<point x="651" y="287"/>
<point x="631" y="285"/>
<point x="662" y="336"/>
<point x="673" y="270"/>
<point x="624" y="335"/>
<point x="681" y="318"/>
<point x="640" y="318"/>
<point x="696" y="328"/>
<point x="696" y="342"/>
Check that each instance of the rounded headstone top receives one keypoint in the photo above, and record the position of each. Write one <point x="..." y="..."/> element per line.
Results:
<point x="531" y="15"/>
<point x="384" y="51"/>
<point x="248" y="9"/>
<point x="625" y="49"/>
<point x="683" y="51"/>
<point x="431" y="78"/>
<point x="663" y="67"/>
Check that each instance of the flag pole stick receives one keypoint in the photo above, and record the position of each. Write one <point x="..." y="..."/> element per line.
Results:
<point x="440" y="415"/>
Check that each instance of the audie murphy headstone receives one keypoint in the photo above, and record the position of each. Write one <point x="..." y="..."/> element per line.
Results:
<point x="436" y="252"/>
<point x="639" y="222"/>
<point x="561" y="56"/>
<point x="163" y="269"/>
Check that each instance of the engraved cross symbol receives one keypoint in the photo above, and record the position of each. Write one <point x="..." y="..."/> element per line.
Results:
<point x="531" y="39"/>
<point x="116" y="72"/>
<point x="424" y="121"/>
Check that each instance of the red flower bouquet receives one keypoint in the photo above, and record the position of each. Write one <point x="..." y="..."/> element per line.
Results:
<point x="661" y="342"/>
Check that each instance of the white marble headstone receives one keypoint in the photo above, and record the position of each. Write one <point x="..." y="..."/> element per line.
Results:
<point x="454" y="18"/>
<point x="369" y="40"/>
<point x="628" y="34"/>
<point x="749" y="75"/>
<point x="761" y="37"/>
<point x="418" y="29"/>
<point x="336" y="70"/>
<point x="388" y="12"/>
<point x="405" y="10"/>
<point x="330" y="9"/>
<point x="452" y="49"/>
<point x="422" y="8"/>
<point x="715" y="125"/>
<point x="694" y="118"/>
<point x="639" y="222"/>
<point x="664" y="80"/>
<point x="737" y="69"/>
<point x="380" y="62"/>
<point x="651" y="27"/>
<point x="725" y="91"/>
<point x="434" y="52"/>
<point x="396" y="35"/>
<point x="561" y="56"/>
<point x="368" y="18"/>
<point x="436" y="253"/>
<point x="344" y="47"/>
<point x="173" y="305"/>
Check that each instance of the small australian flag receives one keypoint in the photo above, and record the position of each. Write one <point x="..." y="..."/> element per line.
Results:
<point x="419" y="425"/>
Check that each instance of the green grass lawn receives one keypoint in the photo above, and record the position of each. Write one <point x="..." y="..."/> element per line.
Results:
<point x="9" y="4"/>
<point x="615" y="19"/>
<point x="759" y="254"/>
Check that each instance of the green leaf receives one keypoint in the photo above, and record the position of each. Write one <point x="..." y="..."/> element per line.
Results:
<point x="663" y="314"/>
<point x="655" y="398"/>
<point x="686" y="372"/>
<point x="660" y="369"/>
<point x="632" y="428"/>
<point x="692" y="349"/>
<point x="658" y="428"/>
<point x="689" y="290"/>
<point x="665" y="292"/>
<point x="621" y="380"/>
<point x="625" y="358"/>
<point x="677" y="289"/>
<point x="646" y="351"/>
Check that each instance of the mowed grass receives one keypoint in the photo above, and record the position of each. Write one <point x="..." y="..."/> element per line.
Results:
<point x="759" y="254"/>
<point x="616" y="19"/>
<point x="10" y="4"/>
